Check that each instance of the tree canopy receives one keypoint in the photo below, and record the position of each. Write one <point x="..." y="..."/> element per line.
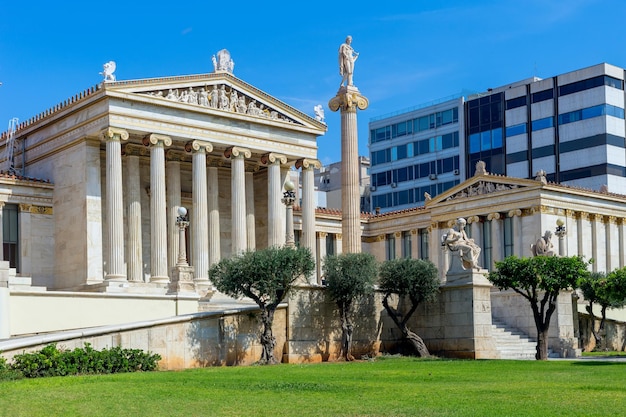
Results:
<point x="415" y="279"/>
<point x="265" y="276"/>
<point x="540" y="280"/>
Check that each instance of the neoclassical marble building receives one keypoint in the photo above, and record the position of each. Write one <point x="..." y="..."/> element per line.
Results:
<point x="89" y="204"/>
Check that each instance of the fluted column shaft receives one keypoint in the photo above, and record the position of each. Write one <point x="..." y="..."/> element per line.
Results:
<point x="158" y="216"/>
<point x="308" y="202"/>
<point x="347" y="100"/>
<point x="321" y="254"/>
<point x="239" y="239"/>
<point x="1" y="232"/>
<point x="214" y="215"/>
<point x="275" y="234"/>
<point x="250" y="217"/>
<point x="621" y="231"/>
<point x="173" y="203"/>
<point x="115" y="204"/>
<point x="135" y="251"/>
<point x="199" y="213"/>
<point x="496" y="239"/>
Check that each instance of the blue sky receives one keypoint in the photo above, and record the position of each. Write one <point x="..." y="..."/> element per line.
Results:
<point x="411" y="52"/>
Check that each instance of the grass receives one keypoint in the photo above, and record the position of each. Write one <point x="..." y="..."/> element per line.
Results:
<point x="601" y="353"/>
<point x="388" y="386"/>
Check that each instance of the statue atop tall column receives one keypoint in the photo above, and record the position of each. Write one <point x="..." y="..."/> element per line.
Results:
<point x="347" y="57"/>
<point x="347" y="100"/>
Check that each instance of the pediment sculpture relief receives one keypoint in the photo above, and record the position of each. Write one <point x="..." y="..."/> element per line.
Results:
<point x="220" y="98"/>
<point x="481" y="188"/>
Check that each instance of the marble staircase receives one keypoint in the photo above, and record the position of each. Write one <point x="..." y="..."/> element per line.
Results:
<point x="511" y="343"/>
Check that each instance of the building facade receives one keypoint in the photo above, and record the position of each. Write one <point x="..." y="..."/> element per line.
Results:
<point x="571" y="126"/>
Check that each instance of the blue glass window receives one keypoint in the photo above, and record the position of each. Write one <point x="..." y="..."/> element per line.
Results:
<point x="474" y="143"/>
<point x="516" y="130"/>
<point x="543" y="123"/>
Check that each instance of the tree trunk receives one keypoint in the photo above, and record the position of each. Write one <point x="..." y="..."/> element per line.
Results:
<point x="347" y="329"/>
<point x="596" y="334"/>
<point x="268" y="341"/>
<point x="417" y="342"/>
<point x="542" y="345"/>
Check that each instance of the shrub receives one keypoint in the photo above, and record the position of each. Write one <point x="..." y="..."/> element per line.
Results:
<point x="50" y="361"/>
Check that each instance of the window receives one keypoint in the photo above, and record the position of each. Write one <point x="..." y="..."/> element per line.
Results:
<point x="543" y="123"/>
<point x="10" y="235"/>
<point x="516" y="102"/>
<point x="330" y="244"/>
<point x="590" y="83"/>
<point x="508" y="236"/>
<point x="406" y="244"/>
<point x="390" y="246"/>
<point x="516" y="130"/>
<point x="423" y="239"/>
<point x="542" y="95"/>
<point x="591" y="112"/>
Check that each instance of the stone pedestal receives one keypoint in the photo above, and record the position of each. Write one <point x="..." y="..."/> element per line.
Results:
<point x="348" y="99"/>
<point x="182" y="280"/>
<point x="467" y="317"/>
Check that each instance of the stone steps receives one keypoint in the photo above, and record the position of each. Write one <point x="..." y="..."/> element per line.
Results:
<point x="512" y="344"/>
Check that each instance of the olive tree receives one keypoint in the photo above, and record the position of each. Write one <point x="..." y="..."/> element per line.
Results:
<point x="540" y="280"/>
<point x="414" y="279"/>
<point x="265" y="276"/>
<point x="349" y="277"/>
<point x="605" y="290"/>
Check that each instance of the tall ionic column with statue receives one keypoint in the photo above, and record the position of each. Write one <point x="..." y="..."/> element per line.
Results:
<point x="348" y="100"/>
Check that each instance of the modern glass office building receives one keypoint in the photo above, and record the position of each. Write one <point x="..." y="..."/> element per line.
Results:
<point x="571" y="126"/>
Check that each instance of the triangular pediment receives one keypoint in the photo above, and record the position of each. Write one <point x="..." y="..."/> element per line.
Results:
<point x="483" y="186"/>
<point x="219" y="93"/>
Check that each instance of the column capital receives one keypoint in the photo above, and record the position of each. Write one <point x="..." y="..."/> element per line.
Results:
<point x="611" y="219"/>
<point x="582" y="215"/>
<point x="2" y="203"/>
<point x="348" y="99"/>
<point x="173" y="155"/>
<point x="236" y="151"/>
<point x="114" y="133"/>
<point x="131" y="149"/>
<point x="305" y="163"/>
<point x="515" y="212"/>
<point x="252" y="167"/>
<point x="321" y="235"/>
<point x="413" y="231"/>
<point x="398" y="234"/>
<point x="25" y="207"/>
<point x="155" y="138"/>
<point x="473" y="219"/>
<point x="338" y="236"/>
<point x="272" y="158"/>
<point x="198" y="146"/>
<point x="493" y="216"/>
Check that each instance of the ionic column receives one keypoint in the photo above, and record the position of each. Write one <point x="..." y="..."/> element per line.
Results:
<point x="398" y="248"/>
<point x="250" y="217"/>
<point x="199" y="212"/>
<point x="621" y="228"/>
<point x="321" y="254"/>
<point x="158" y="216"/>
<point x="474" y="222"/>
<point x="114" y="203"/>
<point x="275" y="233"/>
<point x="348" y="99"/>
<point x="214" y="215"/>
<point x="611" y="262"/>
<point x="238" y="197"/>
<point x="25" y="228"/>
<point x="338" y="243"/>
<point x="308" y="202"/>
<point x="415" y="244"/>
<point x="594" y="241"/>
<point x="516" y="219"/>
<point x="173" y="190"/>
<point x="496" y="239"/>
<point x="133" y="204"/>
<point x="1" y="232"/>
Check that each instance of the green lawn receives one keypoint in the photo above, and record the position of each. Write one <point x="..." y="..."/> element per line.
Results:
<point x="389" y="386"/>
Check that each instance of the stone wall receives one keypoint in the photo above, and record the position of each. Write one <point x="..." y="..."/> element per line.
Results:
<point x="613" y="338"/>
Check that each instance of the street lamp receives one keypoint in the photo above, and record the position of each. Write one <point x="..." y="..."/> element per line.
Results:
<point x="182" y="222"/>
<point x="289" y="197"/>
<point x="561" y="232"/>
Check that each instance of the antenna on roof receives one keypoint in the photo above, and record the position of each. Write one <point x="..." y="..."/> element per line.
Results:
<point x="10" y="146"/>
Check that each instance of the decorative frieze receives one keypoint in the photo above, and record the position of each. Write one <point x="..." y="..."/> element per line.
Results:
<point x="481" y="188"/>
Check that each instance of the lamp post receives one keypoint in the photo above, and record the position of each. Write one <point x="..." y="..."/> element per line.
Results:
<point x="182" y="222"/>
<point x="561" y="232"/>
<point x="289" y="197"/>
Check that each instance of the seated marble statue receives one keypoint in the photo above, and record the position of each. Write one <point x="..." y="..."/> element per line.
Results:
<point x="543" y="246"/>
<point x="462" y="246"/>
